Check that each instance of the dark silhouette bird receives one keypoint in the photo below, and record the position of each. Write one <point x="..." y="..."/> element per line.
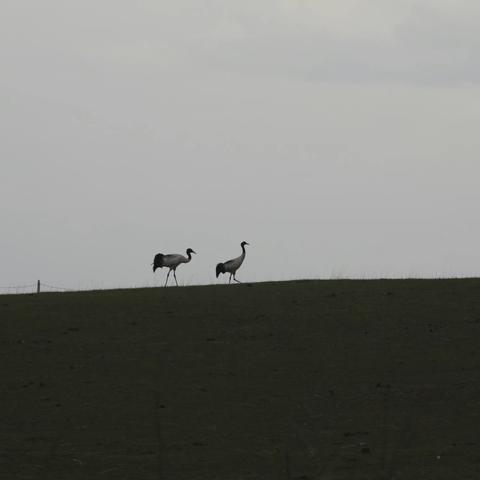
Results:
<point x="231" y="266"/>
<point x="171" y="261"/>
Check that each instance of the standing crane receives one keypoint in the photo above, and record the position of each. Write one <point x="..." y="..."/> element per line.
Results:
<point x="231" y="266"/>
<point x="171" y="261"/>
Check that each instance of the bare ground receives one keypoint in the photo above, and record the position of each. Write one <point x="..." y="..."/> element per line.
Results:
<point x="295" y="380"/>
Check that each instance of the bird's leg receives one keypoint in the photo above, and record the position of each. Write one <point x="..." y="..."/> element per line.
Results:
<point x="175" y="276"/>
<point x="238" y="281"/>
<point x="168" y="274"/>
<point x="229" y="279"/>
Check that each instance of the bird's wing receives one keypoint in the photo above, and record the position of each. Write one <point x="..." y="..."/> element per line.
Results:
<point x="173" y="259"/>
<point x="157" y="261"/>
<point x="233" y="263"/>
<point x="158" y="258"/>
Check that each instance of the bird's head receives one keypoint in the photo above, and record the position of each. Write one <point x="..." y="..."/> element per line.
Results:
<point x="189" y="250"/>
<point x="243" y="244"/>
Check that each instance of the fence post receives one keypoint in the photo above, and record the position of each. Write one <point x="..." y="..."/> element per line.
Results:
<point x="38" y="286"/>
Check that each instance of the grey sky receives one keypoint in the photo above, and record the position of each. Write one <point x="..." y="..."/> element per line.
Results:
<point x="338" y="138"/>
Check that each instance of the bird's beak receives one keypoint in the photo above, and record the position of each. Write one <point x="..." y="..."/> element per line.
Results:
<point x="193" y="251"/>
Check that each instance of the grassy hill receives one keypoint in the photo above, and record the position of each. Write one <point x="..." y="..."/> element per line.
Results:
<point x="292" y="380"/>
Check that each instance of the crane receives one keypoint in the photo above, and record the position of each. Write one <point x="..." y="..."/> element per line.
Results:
<point x="231" y="266"/>
<point x="171" y="261"/>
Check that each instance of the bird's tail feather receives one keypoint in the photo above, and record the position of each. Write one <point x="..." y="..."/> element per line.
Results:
<point x="220" y="269"/>
<point x="158" y="261"/>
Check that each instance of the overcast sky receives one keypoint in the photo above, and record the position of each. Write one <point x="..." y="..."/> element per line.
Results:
<point x="341" y="139"/>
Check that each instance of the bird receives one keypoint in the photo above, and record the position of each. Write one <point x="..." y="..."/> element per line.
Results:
<point x="171" y="261"/>
<point x="231" y="266"/>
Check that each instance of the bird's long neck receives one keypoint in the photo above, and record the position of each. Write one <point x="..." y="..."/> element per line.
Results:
<point x="243" y="251"/>
<point x="189" y="255"/>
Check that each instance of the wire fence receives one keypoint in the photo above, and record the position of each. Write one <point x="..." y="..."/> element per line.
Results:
<point x="38" y="287"/>
<point x="52" y="287"/>
<point x="42" y="287"/>
<point x="18" y="289"/>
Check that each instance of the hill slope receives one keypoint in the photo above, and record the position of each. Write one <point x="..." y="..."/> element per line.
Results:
<point x="311" y="379"/>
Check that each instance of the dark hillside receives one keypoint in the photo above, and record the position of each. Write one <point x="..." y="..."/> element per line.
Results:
<point x="295" y="380"/>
